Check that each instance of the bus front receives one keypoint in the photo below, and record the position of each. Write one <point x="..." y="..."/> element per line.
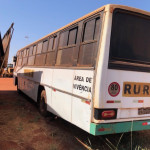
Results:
<point x="122" y="87"/>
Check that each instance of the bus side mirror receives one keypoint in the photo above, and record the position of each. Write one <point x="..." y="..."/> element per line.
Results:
<point x="14" y="59"/>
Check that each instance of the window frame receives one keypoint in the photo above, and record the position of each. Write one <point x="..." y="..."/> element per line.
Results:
<point x="82" y="42"/>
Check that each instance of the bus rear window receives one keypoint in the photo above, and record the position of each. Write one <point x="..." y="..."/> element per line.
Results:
<point x="130" y="42"/>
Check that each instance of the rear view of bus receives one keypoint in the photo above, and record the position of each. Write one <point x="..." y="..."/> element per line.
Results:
<point x="122" y="87"/>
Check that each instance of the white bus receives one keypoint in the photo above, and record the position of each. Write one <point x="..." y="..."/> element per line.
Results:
<point x="94" y="72"/>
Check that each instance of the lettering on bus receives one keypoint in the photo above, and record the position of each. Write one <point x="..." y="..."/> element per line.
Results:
<point x="81" y="87"/>
<point x="136" y="89"/>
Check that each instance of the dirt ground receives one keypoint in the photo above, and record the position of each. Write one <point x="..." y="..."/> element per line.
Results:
<point x="23" y="128"/>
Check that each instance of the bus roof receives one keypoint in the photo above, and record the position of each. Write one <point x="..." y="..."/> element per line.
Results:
<point x="108" y="7"/>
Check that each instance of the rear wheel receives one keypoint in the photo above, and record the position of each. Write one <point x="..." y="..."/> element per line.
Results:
<point x="42" y="104"/>
<point x="18" y="90"/>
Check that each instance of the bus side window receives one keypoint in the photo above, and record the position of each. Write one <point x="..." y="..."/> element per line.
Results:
<point x="19" y="59"/>
<point x="97" y="29"/>
<point x="63" y="39"/>
<point x="31" y="51"/>
<point x="89" y="45"/>
<point x="31" y="57"/>
<point x="52" y="43"/>
<point x="65" y="54"/>
<point x="45" y="46"/>
<point x="34" y="49"/>
<point x="88" y="30"/>
<point x="27" y="52"/>
<point x="24" y="53"/>
<point x="40" y="57"/>
<point x="19" y="62"/>
<point x="50" y="58"/>
<point x="39" y="48"/>
<point x="72" y="36"/>
<point x="25" y="57"/>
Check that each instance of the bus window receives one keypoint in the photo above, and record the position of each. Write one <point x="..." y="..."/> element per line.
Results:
<point x="52" y="44"/>
<point x="31" y="51"/>
<point x="89" y="30"/>
<point x="97" y="27"/>
<point x="34" y="49"/>
<point x="25" y="57"/>
<point x="27" y="54"/>
<point x="45" y="45"/>
<point x="31" y="60"/>
<point x="72" y="36"/>
<point x="129" y="46"/>
<point x="24" y="53"/>
<point x="31" y="57"/>
<point x="24" y="62"/>
<point x="89" y="46"/>
<point x="21" y="54"/>
<point x="19" y="62"/>
<point x="40" y="59"/>
<point x="39" y="48"/>
<point x="65" y="55"/>
<point x="50" y="59"/>
<point x="63" y="39"/>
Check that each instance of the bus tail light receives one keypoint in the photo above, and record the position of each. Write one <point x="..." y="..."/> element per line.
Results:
<point x="108" y="114"/>
<point x="145" y="123"/>
<point x="105" y="114"/>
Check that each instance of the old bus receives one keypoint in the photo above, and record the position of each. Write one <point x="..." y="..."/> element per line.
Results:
<point x="93" y="72"/>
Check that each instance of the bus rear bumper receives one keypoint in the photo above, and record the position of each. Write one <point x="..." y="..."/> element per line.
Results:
<point x="119" y="127"/>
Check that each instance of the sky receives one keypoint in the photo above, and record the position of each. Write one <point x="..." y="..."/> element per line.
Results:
<point x="37" y="18"/>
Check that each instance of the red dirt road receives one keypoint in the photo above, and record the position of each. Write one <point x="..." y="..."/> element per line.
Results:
<point x="6" y="84"/>
<point x="23" y="128"/>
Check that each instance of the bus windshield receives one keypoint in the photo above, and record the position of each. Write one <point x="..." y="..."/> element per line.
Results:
<point x="130" y="41"/>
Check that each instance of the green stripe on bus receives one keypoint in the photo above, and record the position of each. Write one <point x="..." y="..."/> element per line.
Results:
<point x="119" y="127"/>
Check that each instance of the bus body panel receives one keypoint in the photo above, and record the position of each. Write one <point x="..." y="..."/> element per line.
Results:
<point x="133" y="92"/>
<point x="81" y="113"/>
<point x="83" y="83"/>
<point x="69" y="97"/>
<point x="119" y="127"/>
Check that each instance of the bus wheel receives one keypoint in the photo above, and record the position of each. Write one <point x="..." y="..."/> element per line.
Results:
<point x="19" y="91"/>
<point x="42" y="104"/>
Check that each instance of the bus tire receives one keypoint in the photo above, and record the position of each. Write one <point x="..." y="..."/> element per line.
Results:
<point x="18" y="90"/>
<point x="42" y="104"/>
<point x="16" y="83"/>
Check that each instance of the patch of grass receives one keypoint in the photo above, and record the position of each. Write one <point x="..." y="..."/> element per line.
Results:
<point x="140" y="148"/>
